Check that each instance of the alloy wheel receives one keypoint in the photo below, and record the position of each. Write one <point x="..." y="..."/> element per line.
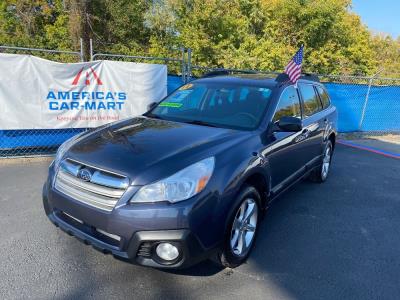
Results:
<point x="244" y="227"/>
<point x="326" y="162"/>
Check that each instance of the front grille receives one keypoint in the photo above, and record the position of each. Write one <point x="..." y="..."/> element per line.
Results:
<point x="99" y="188"/>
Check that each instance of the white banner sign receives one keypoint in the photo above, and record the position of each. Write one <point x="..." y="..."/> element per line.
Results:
<point x="37" y="93"/>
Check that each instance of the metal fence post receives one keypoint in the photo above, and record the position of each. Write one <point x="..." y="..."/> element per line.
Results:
<point x="81" y="52"/>
<point x="183" y="65"/>
<point x="189" y="64"/>
<point x="367" y="97"/>
<point x="91" y="49"/>
<point x="365" y="104"/>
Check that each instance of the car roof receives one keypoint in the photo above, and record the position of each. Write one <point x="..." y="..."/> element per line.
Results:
<point x="256" y="79"/>
<point x="250" y="79"/>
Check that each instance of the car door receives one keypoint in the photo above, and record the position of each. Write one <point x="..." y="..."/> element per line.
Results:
<point x="313" y="123"/>
<point x="285" y="150"/>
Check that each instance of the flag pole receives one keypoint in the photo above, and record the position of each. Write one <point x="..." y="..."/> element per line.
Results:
<point x="295" y="85"/>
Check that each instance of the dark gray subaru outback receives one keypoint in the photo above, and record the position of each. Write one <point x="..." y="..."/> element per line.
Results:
<point x="190" y="179"/>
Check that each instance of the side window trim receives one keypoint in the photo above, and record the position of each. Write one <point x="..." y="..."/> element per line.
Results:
<point x="298" y="98"/>
<point x="302" y="100"/>
<point x="320" y="97"/>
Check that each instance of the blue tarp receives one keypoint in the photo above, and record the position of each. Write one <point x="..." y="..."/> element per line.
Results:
<point x="382" y="110"/>
<point x="382" y="114"/>
<point x="173" y="82"/>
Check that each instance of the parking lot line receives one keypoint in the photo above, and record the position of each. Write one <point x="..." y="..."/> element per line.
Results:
<point x="370" y="149"/>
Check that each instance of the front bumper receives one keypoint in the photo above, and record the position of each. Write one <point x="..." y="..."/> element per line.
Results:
<point x="130" y="245"/>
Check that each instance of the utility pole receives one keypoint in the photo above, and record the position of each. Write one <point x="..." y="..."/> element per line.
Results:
<point x="86" y="29"/>
<point x="79" y="24"/>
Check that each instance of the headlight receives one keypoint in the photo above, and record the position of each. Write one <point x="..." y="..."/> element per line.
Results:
<point x="178" y="187"/>
<point x="64" y="148"/>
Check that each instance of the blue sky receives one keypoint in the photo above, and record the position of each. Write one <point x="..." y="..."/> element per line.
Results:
<point x="380" y="15"/>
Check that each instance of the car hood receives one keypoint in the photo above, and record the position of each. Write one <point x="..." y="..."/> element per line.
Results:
<point x="149" y="146"/>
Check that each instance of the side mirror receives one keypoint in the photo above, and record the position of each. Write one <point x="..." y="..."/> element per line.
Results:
<point x="289" y="124"/>
<point x="151" y="106"/>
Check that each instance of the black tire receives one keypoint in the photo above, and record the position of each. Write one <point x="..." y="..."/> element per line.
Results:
<point x="228" y="257"/>
<point x="320" y="173"/>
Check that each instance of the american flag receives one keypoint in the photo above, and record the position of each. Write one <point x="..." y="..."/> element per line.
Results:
<point x="293" y="69"/>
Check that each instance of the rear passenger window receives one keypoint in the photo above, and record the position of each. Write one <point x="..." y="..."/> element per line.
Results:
<point x="323" y="95"/>
<point x="289" y="104"/>
<point x="310" y="99"/>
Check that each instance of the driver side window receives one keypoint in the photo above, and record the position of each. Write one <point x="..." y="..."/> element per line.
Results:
<point x="288" y="105"/>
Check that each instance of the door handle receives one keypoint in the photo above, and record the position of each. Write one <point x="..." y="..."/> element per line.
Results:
<point x="306" y="133"/>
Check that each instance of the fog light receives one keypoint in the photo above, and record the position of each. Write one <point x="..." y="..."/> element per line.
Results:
<point x="167" y="251"/>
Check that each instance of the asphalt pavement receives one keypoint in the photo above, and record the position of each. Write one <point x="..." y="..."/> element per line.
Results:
<point x="337" y="240"/>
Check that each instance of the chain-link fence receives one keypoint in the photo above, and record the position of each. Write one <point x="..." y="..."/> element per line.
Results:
<point x="34" y="142"/>
<point x="177" y="62"/>
<point x="365" y="104"/>
<point x="51" y="54"/>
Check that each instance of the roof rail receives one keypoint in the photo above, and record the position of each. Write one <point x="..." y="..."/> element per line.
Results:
<point x="309" y="76"/>
<point x="223" y="72"/>
<point x="218" y="72"/>
<point x="283" y="77"/>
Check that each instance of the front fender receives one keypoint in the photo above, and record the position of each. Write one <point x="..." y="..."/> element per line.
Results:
<point x="237" y="175"/>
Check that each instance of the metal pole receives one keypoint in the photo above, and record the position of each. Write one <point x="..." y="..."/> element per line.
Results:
<point x="367" y="98"/>
<point x="81" y="52"/>
<point x="183" y="65"/>
<point x="189" y="64"/>
<point x="91" y="49"/>
<point x="365" y="104"/>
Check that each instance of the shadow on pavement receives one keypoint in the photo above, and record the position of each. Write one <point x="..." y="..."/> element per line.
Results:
<point x="335" y="240"/>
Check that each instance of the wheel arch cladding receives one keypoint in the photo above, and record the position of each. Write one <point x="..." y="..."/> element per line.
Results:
<point x="260" y="183"/>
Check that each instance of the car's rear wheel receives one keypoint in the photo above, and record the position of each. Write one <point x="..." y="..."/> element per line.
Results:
<point x="242" y="229"/>
<point x="321" y="173"/>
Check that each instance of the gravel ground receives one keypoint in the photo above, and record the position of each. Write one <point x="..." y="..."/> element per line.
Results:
<point x="337" y="240"/>
<point x="384" y="137"/>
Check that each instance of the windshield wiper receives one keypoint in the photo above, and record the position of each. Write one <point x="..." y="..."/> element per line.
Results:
<point x="153" y="116"/>
<point x="198" y="122"/>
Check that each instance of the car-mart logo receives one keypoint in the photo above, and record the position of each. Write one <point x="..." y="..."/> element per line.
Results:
<point x="87" y="93"/>
<point x="89" y="72"/>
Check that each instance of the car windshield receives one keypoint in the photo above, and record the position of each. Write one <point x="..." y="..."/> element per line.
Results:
<point x="215" y="104"/>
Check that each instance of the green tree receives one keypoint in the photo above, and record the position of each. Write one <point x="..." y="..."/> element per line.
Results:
<point x="246" y="34"/>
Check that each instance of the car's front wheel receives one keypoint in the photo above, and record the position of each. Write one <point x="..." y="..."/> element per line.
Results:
<point x="242" y="229"/>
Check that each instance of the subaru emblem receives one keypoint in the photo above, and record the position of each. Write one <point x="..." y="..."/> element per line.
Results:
<point x="85" y="174"/>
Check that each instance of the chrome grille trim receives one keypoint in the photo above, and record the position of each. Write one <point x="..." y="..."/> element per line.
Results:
<point x="89" y="186"/>
<point x="70" y="167"/>
<point x="101" y="177"/>
<point x="102" y="191"/>
<point x="109" y="181"/>
<point x="85" y="196"/>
